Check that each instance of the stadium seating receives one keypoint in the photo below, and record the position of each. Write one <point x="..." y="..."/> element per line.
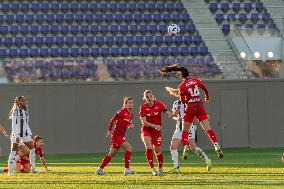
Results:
<point x="248" y="14"/>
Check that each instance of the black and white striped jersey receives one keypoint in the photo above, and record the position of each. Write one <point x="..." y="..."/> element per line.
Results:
<point x="20" y="123"/>
<point x="178" y="105"/>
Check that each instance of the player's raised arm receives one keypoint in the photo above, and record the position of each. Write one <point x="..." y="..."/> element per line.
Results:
<point x="146" y="123"/>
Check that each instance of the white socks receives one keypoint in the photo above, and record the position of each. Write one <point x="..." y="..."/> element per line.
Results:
<point x="11" y="161"/>
<point x="175" y="158"/>
<point x="201" y="154"/>
<point x="32" y="158"/>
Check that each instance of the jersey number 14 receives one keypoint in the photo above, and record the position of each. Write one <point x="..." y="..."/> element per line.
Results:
<point x="194" y="92"/>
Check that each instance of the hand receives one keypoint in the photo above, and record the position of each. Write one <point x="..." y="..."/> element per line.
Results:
<point x="207" y="99"/>
<point x="6" y="134"/>
<point x="158" y="127"/>
<point x="131" y="126"/>
<point x="108" y="135"/>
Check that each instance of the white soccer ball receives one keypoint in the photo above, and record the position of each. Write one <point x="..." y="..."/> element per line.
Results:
<point x="173" y="29"/>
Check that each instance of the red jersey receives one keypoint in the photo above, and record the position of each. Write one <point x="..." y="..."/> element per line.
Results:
<point x="189" y="90"/>
<point x="153" y="114"/>
<point x="122" y="119"/>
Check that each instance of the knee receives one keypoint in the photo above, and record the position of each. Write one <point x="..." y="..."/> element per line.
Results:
<point x="129" y="149"/>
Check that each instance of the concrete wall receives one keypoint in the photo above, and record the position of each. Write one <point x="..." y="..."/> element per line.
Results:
<point x="73" y="117"/>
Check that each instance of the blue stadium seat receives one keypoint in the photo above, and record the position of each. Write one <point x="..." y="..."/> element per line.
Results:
<point x="133" y="29"/>
<point x="185" y="17"/>
<point x="35" y="7"/>
<point x="259" y="6"/>
<point x="191" y="28"/>
<point x="157" y="18"/>
<point x="115" y="51"/>
<point x="74" y="52"/>
<point x="118" y="18"/>
<point x="225" y="28"/>
<point x="151" y="7"/>
<point x="108" y="18"/>
<point x="74" y="29"/>
<point x="143" y="29"/>
<point x="119" y="40"/>
<point x="163" y="28"/>
<point x="236" y="7"/>
<point x="14" y="30"/>
<point x="94" y="29"/>
<point x="90" y="41"/>
<point x="103" y="7"/>
<point x="170" y="7"/>
<point x="45" y="7"/>
<point x="184" y="50"/>
<point x="34" y="29"/>
<point x="39" y="41"/>
<point x="95" y="52"/>
<point x="179" y="6"/>
<point x="260" y="27"/>
<point x="4" y="30"/>
<point x="23" y="29"/>
<point x="55" y="7"/>
<point x="145" y="51"/>
<point x="54" y="52"/>
<point x="84" y="7"/>
<point x="175" y="17"/>
<point x="135" y="51"/>
<point x="19" y="41"/>
<point x="123" y="29"/>
<point x="153" y="29"/>
<point x="166" y="17"/>
<point x="242" y="17"/>
<point x="231" y="17"/>
<point x="89" y="18"/>
<point x="147" y="18"/>
<point x="20" y="18"/>
<point x="125" y="51"/>
<point x="254" y="17"/>
<point x="99" y="18"/>
<point x="85" y="52"/>
<point x="59" y="18"/>
<point x="109" y="40"/>
<point x="54" y="29"/>
<point x="13" y="53"/>
<point x="187" y="40"/>
<point x="127" y="18"/>
<point x="34" y="52"/>
<point x="25" y="7"/>
<point x="59" y="40"/>
<point x="129" y="40"/>
<point x="69" y="41"/>
<point x="158" y="40"/>
<point x="3" y="53"/>
<point x="213" y="7"/>
<point x="137" y="18"/>
<point x="10" y="18"/>
<point x="203" y="51"/>
<point x="248" y="7"/>
<point x="141" y="7"/>
<point x="197" y="39"/>
<point x="79" y="18"/>
<point x="64" y="52"/>
<point x="161" y="7"/>
<point x="219" y="18"/>
<point x="45" y="29"/>
<point x="1" y="19"/>
<point x="5" y="7"/>
<point x="272" y="27"/>
<point x="178" y="40"/>
<point x="49" y="41"/>
<point x="174" y="51"/>
<point x="132" y="7"/>
<point x="225" y="7"/>
<point x="105" y="51"/>
<point x="8" y="41"/>
<point x="15" y="7"/>
<point x="69" y="18"/>
<point x="74" y="7"/>
<point x="249" y="27"/>
<point x="193" y="51"/>
<point x="265" y="17"/>
<point x="138" y="40"/>
<point x="29" y="41"/>
<point x="113" y="7"/>
<point x="122" y="7"/>
<point x="64" y="7"/>
<point x="168" y="40"/>
<point x="149" y="40"/>
<point x="39" y="18"/>
<point x="99" y="40"/>
<point x="94" y="7"/>
<point x="85" y="29"/>
<point x="29" y="18"/>
<point x="103" y="29"/>
<point x="44" y="52"/>
<point x="164" y="51"/>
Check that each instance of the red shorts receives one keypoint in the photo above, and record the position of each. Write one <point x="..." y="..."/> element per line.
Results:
<point x="195" y="110"/>
<point x="116" y="141"/>
<point x="23" y="163"/>
<point x="156" y="136"/>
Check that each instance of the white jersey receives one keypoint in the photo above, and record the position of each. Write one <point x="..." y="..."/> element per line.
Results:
<point x="20" y="125"/>
<point x="178" y="105"/>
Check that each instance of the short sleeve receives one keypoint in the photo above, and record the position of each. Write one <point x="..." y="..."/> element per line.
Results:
<point x="142" y="112"/>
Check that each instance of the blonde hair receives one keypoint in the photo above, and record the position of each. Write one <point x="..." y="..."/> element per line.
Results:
<point x="125" y="100"/>
<point x="146" y="92"/>
<point x="16" y="105"/>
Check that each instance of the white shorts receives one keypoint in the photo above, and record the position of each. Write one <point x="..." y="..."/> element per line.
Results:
<point x="191" y="133"/>
<point x="27" y="137"/>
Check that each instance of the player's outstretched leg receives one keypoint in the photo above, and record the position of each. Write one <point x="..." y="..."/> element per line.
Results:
<point x="185" y="144"/>
<point x="202" y="154"/>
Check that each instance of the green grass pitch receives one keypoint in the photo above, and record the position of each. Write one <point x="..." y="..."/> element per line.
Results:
<point x="240" y="168"/>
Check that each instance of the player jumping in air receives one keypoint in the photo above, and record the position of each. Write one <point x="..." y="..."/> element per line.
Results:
<point x="190" y="96"/>
<point x="179" y="107"/>
<point x="123" y="119"/>
<point x="21" y="132"/>
<point x="150" y="115"/>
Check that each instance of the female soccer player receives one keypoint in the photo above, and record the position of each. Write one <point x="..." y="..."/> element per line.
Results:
<point x="179" y="107"/>
<point x="38" y="144"/>
<point x="21" y="132"/>
<point x="190" y="96"/>
<point x="123" y="119"/>
<point x="150" y="115"/>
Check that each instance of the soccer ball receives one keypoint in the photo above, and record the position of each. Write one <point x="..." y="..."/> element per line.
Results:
<point x="173" y="29"/>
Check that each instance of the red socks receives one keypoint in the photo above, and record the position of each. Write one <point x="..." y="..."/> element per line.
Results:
<point x="160" y="158"/>
<point x="149" y="157"/>
<point x="212" y="136"/>
<point x="5" y="170"/>
<point x="105" y="161"/>
<point x="184" y="138"/>
<point x="127" y="159"/>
